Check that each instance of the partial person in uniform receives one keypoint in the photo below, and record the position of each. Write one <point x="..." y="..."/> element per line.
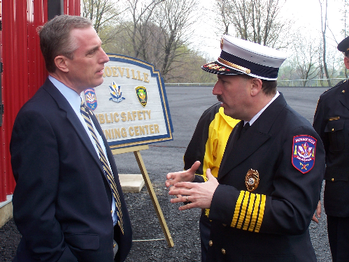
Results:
<point x="331" y="121"/>
<point x="269" y="180"/>
<point x="67" y="204"/>
<point x="207" y="145"/>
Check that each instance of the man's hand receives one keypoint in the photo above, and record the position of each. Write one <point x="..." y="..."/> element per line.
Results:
<point x="317" y="213"/>
<point x="187" y="175"/>
<point x="198" y="194"/>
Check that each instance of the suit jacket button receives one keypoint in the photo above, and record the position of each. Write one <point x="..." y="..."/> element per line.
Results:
<point x="223" y="251"/>
<point x="332" y="179"/>
<point x="210" y="243"/>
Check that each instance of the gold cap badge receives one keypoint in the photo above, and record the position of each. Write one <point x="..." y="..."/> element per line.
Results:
<point x="252" y="180"/>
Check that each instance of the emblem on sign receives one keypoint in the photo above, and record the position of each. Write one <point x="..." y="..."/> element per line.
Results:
<point x="252" y="180"/>
<point x="116" y="94"/>
<point x="303" y="158"/>
<point x="142" y="95"/>
<point x="91" y="98"/>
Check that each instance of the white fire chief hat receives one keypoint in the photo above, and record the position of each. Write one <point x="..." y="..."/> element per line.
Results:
<point x="241" y="57"/>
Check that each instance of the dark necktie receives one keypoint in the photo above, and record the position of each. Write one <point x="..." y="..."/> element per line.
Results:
<point x="109" y="175"/>
<point x="244" y="129"/>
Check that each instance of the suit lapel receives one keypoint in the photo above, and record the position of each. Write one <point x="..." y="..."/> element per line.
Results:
<point x="64" y="105"/>
<point x="238" y="150"/>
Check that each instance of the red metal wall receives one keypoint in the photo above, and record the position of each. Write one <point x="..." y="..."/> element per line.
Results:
<point x="23" y="67"/>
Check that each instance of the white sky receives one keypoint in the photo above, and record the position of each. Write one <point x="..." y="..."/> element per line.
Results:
<point x="304" y="13"/>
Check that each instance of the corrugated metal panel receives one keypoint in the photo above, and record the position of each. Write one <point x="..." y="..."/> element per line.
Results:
<point x="2" y="130"/>
<point x="14" y="78"/>
<point x="24" y="69"/>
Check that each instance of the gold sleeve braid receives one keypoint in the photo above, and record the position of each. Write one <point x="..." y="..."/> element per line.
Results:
<point x="249" y="211"/>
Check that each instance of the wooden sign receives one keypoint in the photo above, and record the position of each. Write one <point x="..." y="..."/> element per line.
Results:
<point x="131" y="105"/>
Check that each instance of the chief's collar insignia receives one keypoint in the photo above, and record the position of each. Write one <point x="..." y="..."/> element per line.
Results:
<point x="252" y="180"/>
<point x="304" y="148"/>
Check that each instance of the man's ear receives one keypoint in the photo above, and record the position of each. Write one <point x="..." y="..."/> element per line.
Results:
<point x="346" y="62"/>
<point x="256" y="86"/>
<point x="61" y="63"/>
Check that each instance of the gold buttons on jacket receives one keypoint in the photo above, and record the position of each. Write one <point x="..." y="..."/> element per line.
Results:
<point x="210" y="243"/>
<point x="223" y="251"/>
<point x="332" y="179"/>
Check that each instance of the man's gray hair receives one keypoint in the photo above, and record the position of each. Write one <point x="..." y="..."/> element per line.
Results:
<point x="55" y="37"/>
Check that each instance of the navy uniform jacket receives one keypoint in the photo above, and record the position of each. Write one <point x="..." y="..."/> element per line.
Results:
<point x="62" y="200"/>
<point x="271" y="222"/>
<point x="331" y="121"/>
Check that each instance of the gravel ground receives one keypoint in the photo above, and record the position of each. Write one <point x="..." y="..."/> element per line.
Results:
<point x="186" y="106"/>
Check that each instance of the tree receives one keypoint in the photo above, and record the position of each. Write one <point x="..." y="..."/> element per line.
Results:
<point x="103" y="14"/>
<point x="100" y="12"/>
<point x="304" y="62"/>
<point x="255" y="20"/>
<point x="324" y="7"/>
<point x="174" y="20"/>
<point x="141" y="13"/>
<point x="345" y="28"/>
<point x="157" y="31"/>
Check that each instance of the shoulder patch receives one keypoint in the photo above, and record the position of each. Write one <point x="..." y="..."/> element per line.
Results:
<point x="303" y="156"/>
<point x="91" y="98"/>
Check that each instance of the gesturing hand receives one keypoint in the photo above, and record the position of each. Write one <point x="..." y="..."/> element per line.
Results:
<point x="198" y="194"/>
<point x="187" y="175"/>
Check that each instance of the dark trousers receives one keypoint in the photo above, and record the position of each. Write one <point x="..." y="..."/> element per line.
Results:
<point x="205" y="230"/>
<point x="338" y="236"/>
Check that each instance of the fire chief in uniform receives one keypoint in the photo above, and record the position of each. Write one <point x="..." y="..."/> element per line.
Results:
<point x="331" y="121"/>
<point x="269" y="181"/>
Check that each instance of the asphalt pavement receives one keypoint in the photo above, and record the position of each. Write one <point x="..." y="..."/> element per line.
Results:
<point x="186" y="106"/>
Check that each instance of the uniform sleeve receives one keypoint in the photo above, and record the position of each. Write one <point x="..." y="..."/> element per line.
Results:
<point x="35" y="164"/>
<point x="286" y="207"/>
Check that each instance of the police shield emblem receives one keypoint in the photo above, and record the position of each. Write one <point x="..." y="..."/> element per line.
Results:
<point x="142" y="95"/>
<point x="303" y="157"/>
<point x="91" y="98"/>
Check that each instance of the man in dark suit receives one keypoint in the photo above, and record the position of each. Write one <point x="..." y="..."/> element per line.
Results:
<point x="63" y="203"/>
<point x="269" y="181"/>
<point x="331" y="121"/>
